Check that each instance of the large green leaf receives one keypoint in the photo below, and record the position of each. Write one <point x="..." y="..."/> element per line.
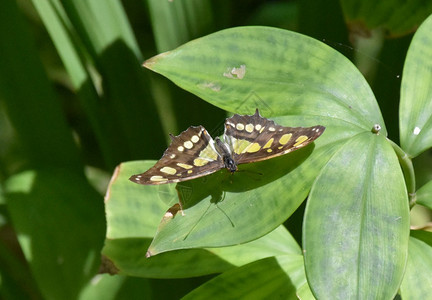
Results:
<point x="270" y="278"/>
<point x="133" y="214"/>
<point x="415" y="109"/>
<point x="356" y="224"/>
<point x="282" y="73"/>
<point x="278" y="71"/>
<point x="417" y="281"/>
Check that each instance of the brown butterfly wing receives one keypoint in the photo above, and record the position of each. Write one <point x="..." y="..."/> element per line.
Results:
<point x="190" y="155"/>
<point x="254" y="138"/>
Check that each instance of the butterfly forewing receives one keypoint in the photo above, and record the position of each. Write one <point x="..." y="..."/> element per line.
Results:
<point x="190" y="155"/>
<point x="254" y="138"/>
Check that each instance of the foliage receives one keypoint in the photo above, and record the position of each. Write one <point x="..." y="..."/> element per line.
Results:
<point x="74" y="110"/>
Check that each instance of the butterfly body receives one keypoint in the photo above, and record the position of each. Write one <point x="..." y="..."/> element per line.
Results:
<point x="225" y="153"/>
<point x="247" y="138"/>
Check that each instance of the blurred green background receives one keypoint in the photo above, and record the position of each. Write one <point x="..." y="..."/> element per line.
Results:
<point x="75" y="102"/>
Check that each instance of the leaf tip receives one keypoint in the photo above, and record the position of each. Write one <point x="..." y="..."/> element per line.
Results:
<point x="149" y="63"/>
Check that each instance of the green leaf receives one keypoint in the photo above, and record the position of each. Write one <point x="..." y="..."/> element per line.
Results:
<point x="59" y="221"/>
<point x="72" y="55"/>
<point x="417" y="281"/>
<point x="101" y="25"/>
<point x="127" y="256"/>
<point x="356" y="224"/>
<point x="106" y="32"/>
<point x="270" y="278"/>
<point x="105" y="42"/>
<point x="281" y="73"/>
<point x="424" y="195"/>
<point x="394" y="16"/>
<point x="28" y="98"/>
<point x="416" y="93"/>
<point x="278" y="71"/>
<point x="129" y="234"/>
<point x="176" y="22"/>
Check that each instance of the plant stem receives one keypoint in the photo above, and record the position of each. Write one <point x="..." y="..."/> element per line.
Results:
<point x="408" y="170"/>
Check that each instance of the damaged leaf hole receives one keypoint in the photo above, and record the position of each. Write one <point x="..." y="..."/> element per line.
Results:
<point x="235" y="73"/>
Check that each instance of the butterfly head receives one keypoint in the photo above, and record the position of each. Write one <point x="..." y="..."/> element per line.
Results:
<point x="230" y="164"/>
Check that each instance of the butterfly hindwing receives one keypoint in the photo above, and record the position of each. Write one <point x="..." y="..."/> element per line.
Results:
<point x="190" y="155"/>
<point x="254" y="138"/>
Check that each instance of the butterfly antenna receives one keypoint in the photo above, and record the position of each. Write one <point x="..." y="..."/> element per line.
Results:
<point x="226" y="215"/>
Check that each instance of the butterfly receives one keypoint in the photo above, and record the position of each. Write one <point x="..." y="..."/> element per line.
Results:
<point x="246" y="139"/>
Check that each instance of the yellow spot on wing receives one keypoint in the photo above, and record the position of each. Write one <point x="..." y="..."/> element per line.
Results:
<point x="180" y="148"/>
<point x="188" y="144"/>
<point x="239" y="146"/>
<point x="189" y="172"/>
<point x="184" y="166"/>
<point x="258" y="127"/>
<point x="194" y="139"/>
<point x="249" y="127"/>
<point x="253" y="148"/>
<point x="208" y="153"/>
<point x="300" y="140"/>
<point x="285" y="138"/>
<point x="157" y="178"/>
<point x="269" y="143"/>
<point x="199" y="162"/>
<point x="168" y="170"/>
<point x="240" y="126"/>
<point x="272" y="129"/>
